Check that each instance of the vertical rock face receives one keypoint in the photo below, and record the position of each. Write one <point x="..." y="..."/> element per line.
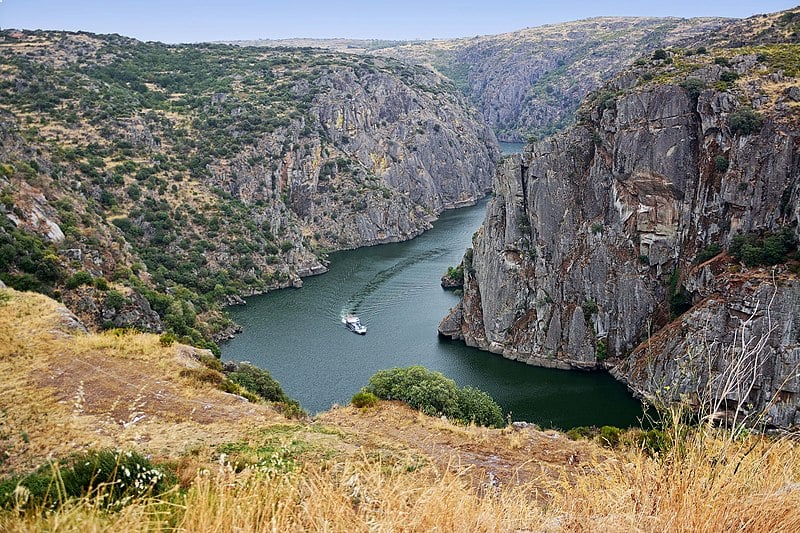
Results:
<point x="593" y="234"/>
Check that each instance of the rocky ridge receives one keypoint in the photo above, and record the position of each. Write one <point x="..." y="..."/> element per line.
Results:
<point x="530" y="82"/>
<point x="588" y="255"/>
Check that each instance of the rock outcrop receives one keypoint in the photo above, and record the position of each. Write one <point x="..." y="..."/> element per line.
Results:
<point x="588" y="248"/>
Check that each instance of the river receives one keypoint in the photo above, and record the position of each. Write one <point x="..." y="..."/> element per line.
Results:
<point x="298" y="336"/>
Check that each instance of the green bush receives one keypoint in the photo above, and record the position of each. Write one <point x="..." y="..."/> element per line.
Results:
<point x="113" y="476"/>
<point x="115" y="300"/>
<point x="610" y="436"/>
<point x="712" y="250"/>
<point x="589" y="308"/>
<point x="693" y="87"/>
<point x="722" y="61"/>
<point x="435" y="395"/>
<point x="653" y="441"/>
<point x="660" y="54"/>
<point x="768" y="249"/>
<point x="601" y="350"/>
<point x="167" y="339"/>
<point x="79" y="278"/>
<point x="720" y="163"/>
<point x="680" y="300"/>
<point x="581" y="432"/>
<point x="258" y="381"/>
<point x="479" y="408"/>
<point x="744" y="121"/>
<point x="364" y="399"/>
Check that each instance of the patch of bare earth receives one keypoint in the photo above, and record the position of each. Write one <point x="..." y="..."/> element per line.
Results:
<point x="65" y="391"/>
<point x="509" y="456"/>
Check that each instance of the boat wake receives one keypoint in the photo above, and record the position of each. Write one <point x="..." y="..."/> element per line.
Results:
<point x="391" y="286"/>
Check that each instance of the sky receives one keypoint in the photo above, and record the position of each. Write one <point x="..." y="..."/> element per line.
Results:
<point x="218" y="20"/>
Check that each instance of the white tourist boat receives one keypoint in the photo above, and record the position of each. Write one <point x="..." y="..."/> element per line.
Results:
<point x="353" y="323"/>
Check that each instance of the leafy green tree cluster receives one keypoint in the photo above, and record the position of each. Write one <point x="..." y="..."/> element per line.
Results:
<point x="693" y="87"/>
<point x="27" y="263"/>
<point x="680" y="300"/>
<point x="770" y="248"/>
<point x="712" y="250"/>
<point x="436" y="395"/>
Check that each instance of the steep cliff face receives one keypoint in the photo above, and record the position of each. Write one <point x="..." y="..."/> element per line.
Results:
<point x="530" y="82"/>
<point x="392" y="153"/>
<point x="589" y="247"/>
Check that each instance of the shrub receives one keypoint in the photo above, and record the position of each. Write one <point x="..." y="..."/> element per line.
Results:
<point x="769" y="249"/>
<point x="115" y="300"/>
<point x="720" y="163"/>
<point x="364" y="399"/>
<point x="258" y="381"/>
<point x="479" y="408"/>
<point x="435" y="395"/>
<point x="114" y="476"/>
<point x="581" y="432"/>
<point x="693" y="87"/>
<point x="167" y="339"/>
<point x="601" y="350"/>
<point x="680" y="300"/>
<point x="653" y="441"/>
<point x="589" y="308"/>
<point x="712" y="250"/>
<point x="660" y="54"/>
<point x="722" y="61"/>
<point x="610" y="436"/>
<point x="456" y="273"/>
<point x="79" y="278"/>
<point x="729" y="76"/>
<point x="744" y="121"/>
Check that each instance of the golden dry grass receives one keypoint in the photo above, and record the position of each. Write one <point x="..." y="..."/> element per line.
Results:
<point x="382" y="469"/>
<point x="715" y="485"/>
<point x="63" y="391"/>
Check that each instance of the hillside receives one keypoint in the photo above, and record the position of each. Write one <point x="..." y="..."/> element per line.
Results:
<point x="658" y="236"/>
<point x="530" y="82"/>
<point x="243" y="466"/>
<point x="145" y="184"/>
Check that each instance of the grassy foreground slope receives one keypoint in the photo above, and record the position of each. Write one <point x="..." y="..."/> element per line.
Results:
<point x="242" y="466"/>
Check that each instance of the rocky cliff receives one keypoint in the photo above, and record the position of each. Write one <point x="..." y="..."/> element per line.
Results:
<point x="195" y="174"/>
<point x="593" y="249"/>
<point x="530" y="82"/>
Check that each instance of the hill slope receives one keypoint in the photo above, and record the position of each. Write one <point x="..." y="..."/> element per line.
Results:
<point x="243" y="466"/>
<point x="195" y="174"/>
<point x="531" y="81"/>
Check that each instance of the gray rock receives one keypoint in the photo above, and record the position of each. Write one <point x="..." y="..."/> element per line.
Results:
<point x="589" y="230"/>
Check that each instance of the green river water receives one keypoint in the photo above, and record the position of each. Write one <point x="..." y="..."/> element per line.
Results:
<point x="297" y="334"/>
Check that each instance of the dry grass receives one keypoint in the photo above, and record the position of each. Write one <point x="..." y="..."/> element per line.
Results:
<point x="381" y="469"/>
<point x="712" y="485"/>
<point x="64" y="392"/>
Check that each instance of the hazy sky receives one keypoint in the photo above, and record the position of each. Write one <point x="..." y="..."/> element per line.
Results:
<point x="209" y="20"/>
